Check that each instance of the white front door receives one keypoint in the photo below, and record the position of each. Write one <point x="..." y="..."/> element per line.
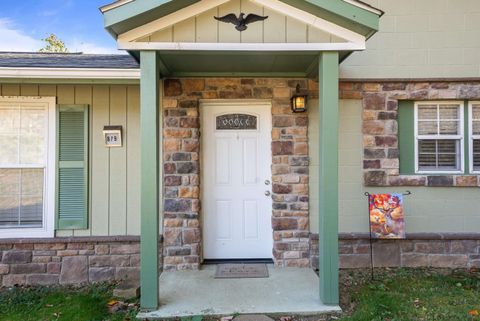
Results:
<point x="236" y="144"/>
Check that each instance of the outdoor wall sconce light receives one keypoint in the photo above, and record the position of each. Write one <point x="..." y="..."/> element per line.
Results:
<point x="299" y="101"/>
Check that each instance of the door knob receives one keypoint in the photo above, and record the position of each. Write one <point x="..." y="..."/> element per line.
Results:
<point x="267" y="193"/>
<point x="267" y="182"/>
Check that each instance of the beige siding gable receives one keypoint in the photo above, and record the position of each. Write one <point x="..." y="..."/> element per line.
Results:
<point x="278" y="28"/>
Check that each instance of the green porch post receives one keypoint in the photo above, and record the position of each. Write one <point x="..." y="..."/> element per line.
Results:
<point x="150" y="171"/>
<point x="328" y="198"/>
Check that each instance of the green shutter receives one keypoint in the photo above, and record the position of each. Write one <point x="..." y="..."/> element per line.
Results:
<point x="406" y="137"/>
<point x="72" y="167"/>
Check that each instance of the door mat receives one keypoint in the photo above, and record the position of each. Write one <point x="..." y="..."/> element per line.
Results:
<point x="241" y="271"/>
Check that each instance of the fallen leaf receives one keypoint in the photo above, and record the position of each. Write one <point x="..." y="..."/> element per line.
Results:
<point x="112" y="302"/>
<point x="474" y="313"/>
<point x="49" y="305"/>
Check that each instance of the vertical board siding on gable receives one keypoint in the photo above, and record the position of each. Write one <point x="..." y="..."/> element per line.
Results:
<point x="207" y="28"/>
<point x="254" y="33"/>
<point x="227" y="32"/>
<point x="278" y="28"/>
<point x="114" y="173"/>
<point x="274" y="27"/>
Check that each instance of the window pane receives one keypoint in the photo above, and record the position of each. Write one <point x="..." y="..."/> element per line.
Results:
<point x="32" y="149"/>
<point x="447" y="146"/>
<point x="31" y="212"/>
<point x="32" y="140"/>
<point x="449" y="127"/>
<point x="9" y="120"/>
<point x="9" y="149"/>
<point x="21" y="197"/>
<point x="476" y="112"/>
<point x="427" y="128"/>
<point x="427" y="112"/>
<point x="476" y="119"/>
<point x="9" y="211"/>
<point x="438" y="155"/>
<point x="427" y="150"/>
<point x="449" y="112"/>
<point x="476" y="128"/>
<point x="476" y="154"/>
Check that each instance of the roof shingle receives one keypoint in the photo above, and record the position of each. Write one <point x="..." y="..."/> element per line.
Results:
<point x="66" y="60"/>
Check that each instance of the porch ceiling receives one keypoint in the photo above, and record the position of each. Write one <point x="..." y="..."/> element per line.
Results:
<point x="240" y="64"/>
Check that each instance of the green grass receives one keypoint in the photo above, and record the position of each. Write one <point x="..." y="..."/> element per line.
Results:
<point x="417" y="295"/>
<point x="395" y="295"/>
<point x="69" y="304"/>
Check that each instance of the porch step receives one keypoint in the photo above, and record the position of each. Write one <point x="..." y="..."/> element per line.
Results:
<point x="253" y="317"/>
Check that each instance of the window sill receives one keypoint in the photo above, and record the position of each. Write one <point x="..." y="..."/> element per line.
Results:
<point x="26" y="233"/>
<point x="375" y="178"/>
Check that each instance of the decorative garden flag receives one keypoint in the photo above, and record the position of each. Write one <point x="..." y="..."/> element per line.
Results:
<point x="387" y="219"/>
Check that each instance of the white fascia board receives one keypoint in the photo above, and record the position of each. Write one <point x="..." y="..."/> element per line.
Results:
<point x="278" y="47"/>
<point x="70" y="73"/>
<point x="169" y="20"/>
<point x="114" y="5"/>
<point x="365" y="6"/>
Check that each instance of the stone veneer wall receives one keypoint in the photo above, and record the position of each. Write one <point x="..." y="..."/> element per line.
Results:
<point x="380" y="128"/>
<point x="418" y="250"/>
<point x="182" y="209"/>
<point x="69" y="260"/>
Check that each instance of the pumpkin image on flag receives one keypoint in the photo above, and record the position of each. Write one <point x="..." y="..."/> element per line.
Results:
<point x="387" y="219"/>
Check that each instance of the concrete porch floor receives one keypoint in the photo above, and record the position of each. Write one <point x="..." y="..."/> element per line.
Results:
<point x="286" y="290"/>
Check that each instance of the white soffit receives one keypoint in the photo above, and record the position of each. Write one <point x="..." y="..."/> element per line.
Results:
<point x="127" y="40"/>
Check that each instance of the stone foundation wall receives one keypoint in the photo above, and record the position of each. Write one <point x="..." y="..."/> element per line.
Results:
<point x="418" y="250"/>
<point x="69" y="260"/>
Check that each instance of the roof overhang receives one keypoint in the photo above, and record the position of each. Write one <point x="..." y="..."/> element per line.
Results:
<point x="125" y="15"/>
<point x="352" y="20"/>
<point x="74" y="75"/>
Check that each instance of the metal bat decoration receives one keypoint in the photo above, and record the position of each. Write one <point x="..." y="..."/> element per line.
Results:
<point x="241" y="21"/>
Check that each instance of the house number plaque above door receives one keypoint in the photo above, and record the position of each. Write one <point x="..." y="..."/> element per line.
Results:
<point x="236" y="122"/>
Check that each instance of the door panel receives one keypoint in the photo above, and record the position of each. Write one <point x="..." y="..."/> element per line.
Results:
<point x="236" y="148"/>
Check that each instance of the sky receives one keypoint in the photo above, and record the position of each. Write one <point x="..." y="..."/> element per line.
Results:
<point x="79" y="23"/>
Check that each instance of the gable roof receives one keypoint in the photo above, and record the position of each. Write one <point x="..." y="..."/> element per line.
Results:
<point x="125" y="15"/>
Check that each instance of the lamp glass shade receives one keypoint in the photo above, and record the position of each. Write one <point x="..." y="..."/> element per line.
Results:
<point x="299" y="103"/>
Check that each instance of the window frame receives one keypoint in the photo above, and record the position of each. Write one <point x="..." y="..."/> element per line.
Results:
<point x="460" y="137"/>
<point x="471" y="136"/>
<point x="48" y="219"/>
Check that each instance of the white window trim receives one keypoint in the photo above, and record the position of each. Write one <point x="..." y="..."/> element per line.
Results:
<point x="48" y="228"/>
<point x="471" y="137"/>
<point x="461" y="137"/>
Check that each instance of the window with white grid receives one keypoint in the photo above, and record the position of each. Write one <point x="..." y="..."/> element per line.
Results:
<point x="439" y="137"/>
<point x="27" y="175"/>
<point x="474" y="118"/>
